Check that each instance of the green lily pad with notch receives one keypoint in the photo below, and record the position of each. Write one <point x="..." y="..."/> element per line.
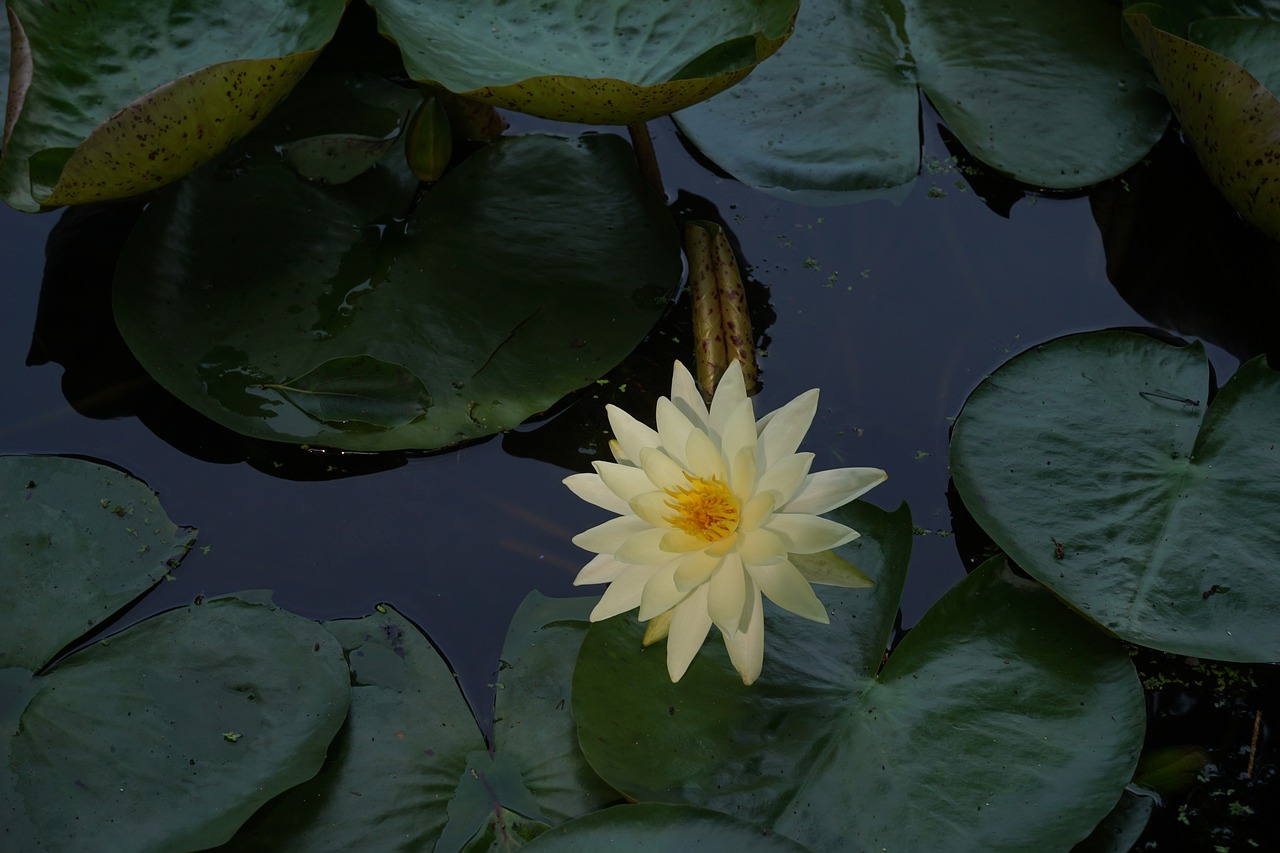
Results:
<point x="170" y="734"/>
<point x="120" y="97"/>
<point x="527" y="272"/>
<point x="1043" y="91"/>
<point x="1163" y="504"/>
<point x="87" y="538"/>
<point x="590" y="61"/>
<point x="658" y="826"/>
<point x="1002" y="721"/>
<point x="1221" y="81"/>
<point x="411" y="764"/>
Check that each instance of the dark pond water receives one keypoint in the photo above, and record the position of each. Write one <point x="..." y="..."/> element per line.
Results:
<point x="895" y="311"/>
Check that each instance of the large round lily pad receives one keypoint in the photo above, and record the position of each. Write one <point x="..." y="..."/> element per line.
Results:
<point x="1001" y="722"/>
<point x="353" y="317"/>
<point x="1042" y="90"/>
<point x="170" y="734"/>
<point x="592" y="61"/>
<point x="1097" y="462"/>
<point x="656" y="826"/>
<point x="117" y="97"/>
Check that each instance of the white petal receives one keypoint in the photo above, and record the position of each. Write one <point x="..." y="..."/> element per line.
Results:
<point x="787" y="588"/>
<point x="624" y="593"/>
<point x="746" y="648"/>
<point x="757" y="512"/>
<point x="727" y="598"/>
<point x="660" y="592"/>
<point x="592" y="489"/>
<point x="625" y="481"/>
<point x="663" y="471"/>
<point x="786" y="428"/>
<point x="643" y="547"/>
<point x="631" y="434"/>
<point x="653" y="507"/>
<point x="694" y="569"/>
<point x="809" y="534"/>
<point x="730" y="393"/>
<point x="618" y="455"/>
<point x="761" y="546"/>
<point x="657" y="629"/>
<point x="784" y="478"/>
<point x="679" y="542"/>
<point x="739" y="431"/>
<point x="704" y="457"/>
<point x="823" y="491"/>
<point x="674" y="429"/>
<point x="687" y="397"/>
<point x="689" y="626"/>
<point x="742" y="471"/>
<point x="605" y="538"/>
<point x="603" y="568"/>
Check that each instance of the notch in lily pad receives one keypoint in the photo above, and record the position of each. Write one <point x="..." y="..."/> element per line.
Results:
<point x="358" y="391"/>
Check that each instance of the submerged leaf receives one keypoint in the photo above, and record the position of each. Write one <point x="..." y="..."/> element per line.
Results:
<point x="358" y="389"/>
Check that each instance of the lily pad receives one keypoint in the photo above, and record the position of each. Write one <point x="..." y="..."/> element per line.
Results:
<point x="208" y="711"/>
<point x="87" y="537"/>
<point x="656" y="826"/>
<point x="1001" y="722"/>
<point x="1097" y="462"/>
<point x="119" y="97"/>
<point x="1223" y="91"/>
<point x="411" y="764"/>
<point x="527" y="272"/>
<point x="596" y="62"/>
<point x="1043" y="91"/>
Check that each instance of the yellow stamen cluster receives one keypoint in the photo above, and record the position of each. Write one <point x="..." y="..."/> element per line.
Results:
<point x="706" y="509"/>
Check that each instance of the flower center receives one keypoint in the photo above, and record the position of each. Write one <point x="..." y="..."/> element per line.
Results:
<point x="706" y="508"/>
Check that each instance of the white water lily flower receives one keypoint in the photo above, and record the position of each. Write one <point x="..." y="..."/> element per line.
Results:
<point x="710" y="507"/>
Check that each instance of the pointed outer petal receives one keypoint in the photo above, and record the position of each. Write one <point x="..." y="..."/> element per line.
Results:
<point x="694" y="569"/>
<point x="746" y="648"/>
<point x="728" y="589"/>
<point x="625" y="481"/>
<point x="757" y="512"/>
<point x="660" y="592"/>
<point x="679" y="542"/>
<point x="704" y="457"/>
<point x="687" y="397"/>
<point x="823" y="491"/>
<point x="592" y="489"/>
<point x="808" y="534"/>
<point x="663" y="471"/>
<point x="653" y="507"/>
<point x="657" y="629"/>
<point x="631" y="434"/>
<point x="644" y="547"/>
<point x="739" y="430"/>
<point x="784" y="478"/>
<point x="787" y="588"/>
<point x="608" y="537"/>
<point x="828" y="567"/>
<point x="742" y="471"/>
<point x="618" y="455"/>
<point x="761" y="547"/>
<point x="602" y="569"/>
<point x="730" y="394"/>
<point x="674" y="428"/>
<point x="689" y="626"/>
<point x="786" y="429"/>
<point x="624" y="593"/>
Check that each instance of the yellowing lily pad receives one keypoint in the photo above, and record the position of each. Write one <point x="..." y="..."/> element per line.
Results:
<point x="592" y="61"/>
<point x="1223" y="91"/>
<point x="118" y="97"/>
